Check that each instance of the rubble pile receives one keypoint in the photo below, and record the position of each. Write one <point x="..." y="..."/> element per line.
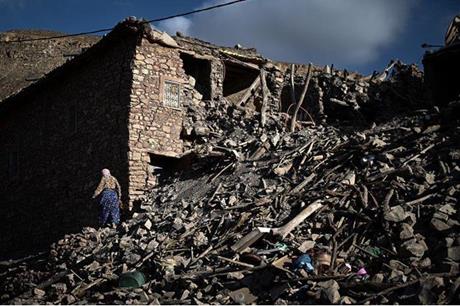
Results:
<point x="262" y="215"/>
<point x="341" y="96"/>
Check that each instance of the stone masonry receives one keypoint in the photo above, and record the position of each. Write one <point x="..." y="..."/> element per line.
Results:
<point x="153" y="126"/>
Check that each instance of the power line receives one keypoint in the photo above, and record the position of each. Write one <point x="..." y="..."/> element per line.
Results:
<point x="196" y="11"/>
<point x="110" y="29"/>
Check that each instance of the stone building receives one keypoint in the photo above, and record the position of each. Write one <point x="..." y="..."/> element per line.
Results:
<point x="119" y="104"/>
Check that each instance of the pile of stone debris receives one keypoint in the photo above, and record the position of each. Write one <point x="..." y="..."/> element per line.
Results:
<point x="262" y="215"/>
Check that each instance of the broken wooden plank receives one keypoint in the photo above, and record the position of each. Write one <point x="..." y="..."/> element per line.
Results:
<point x="249" y="92"/>
<point x="284" y="230"/>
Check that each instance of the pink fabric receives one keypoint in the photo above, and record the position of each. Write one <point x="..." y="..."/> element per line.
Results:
<point x="362" y="272"/>
<point x="106" y="172"/>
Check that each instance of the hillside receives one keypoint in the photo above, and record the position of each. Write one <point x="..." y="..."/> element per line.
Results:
<point x="23" y="63"/>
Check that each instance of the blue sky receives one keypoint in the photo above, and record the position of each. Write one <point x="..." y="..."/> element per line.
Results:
<point x="361" y="35"/>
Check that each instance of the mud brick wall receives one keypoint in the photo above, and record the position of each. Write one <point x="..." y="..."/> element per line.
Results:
<point x="64" y="134"/>
<point x="153" y="126"/>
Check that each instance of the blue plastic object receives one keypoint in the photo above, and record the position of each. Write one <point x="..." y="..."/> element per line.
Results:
<point x="303" y="262"/>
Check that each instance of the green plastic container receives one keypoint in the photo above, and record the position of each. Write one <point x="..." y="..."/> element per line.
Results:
<point x="131" y="279"/>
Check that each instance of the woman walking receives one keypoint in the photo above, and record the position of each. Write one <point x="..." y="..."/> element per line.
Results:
<point x="111" y="193"/>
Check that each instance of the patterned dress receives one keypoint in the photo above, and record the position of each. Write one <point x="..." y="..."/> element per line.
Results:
<point x="110" y="192"/>
<point x="110" y="209"/>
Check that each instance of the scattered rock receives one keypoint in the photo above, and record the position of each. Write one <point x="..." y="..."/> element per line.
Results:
<point x="414" y="247"/>
<point x="330" y="291"/>
<point x="396" y="214"/>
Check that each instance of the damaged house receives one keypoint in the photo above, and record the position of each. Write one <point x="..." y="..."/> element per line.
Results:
<point x="137" y="101"/>
<point x="120" y="105"/>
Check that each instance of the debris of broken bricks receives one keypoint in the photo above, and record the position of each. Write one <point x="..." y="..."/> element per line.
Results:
<point x="370" y="212"/>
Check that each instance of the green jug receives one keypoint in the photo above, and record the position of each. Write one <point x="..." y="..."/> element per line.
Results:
<point x="131" y="279"/>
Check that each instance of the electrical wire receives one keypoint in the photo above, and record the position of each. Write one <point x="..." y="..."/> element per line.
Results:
<point x="110" y="29"/>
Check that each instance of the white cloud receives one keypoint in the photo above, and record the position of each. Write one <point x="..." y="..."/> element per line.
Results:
<point x="180" y="24"/>
<point x="344" y="32"/>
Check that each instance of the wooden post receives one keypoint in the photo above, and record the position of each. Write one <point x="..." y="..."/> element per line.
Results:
<point x="302" y="96"/>
<point x="263" y="87"/>
<point x="293" y="99"/>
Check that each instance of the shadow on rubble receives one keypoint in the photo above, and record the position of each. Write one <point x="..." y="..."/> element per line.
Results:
<point x="189" y="178"/>
<point x="188" y="167"/>
<point x="195" y="177"/>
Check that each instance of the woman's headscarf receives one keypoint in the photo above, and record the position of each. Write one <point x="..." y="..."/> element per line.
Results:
<point x="106" y="172"/>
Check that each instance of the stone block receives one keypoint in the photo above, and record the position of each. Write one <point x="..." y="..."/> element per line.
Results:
<point x="136" y="156"/>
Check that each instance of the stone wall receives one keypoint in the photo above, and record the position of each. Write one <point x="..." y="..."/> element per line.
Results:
<point x="54" y="141"/>
<point x="217" y="79"/>
<point x="153" y="126"/>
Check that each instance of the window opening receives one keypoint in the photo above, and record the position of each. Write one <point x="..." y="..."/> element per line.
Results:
<point x="200" y="70"/>
<point x="237" y="79"/>
<point x="171" y="95"/>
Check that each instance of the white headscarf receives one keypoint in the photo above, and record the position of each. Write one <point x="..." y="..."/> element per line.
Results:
<point x="106" y="172"/>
